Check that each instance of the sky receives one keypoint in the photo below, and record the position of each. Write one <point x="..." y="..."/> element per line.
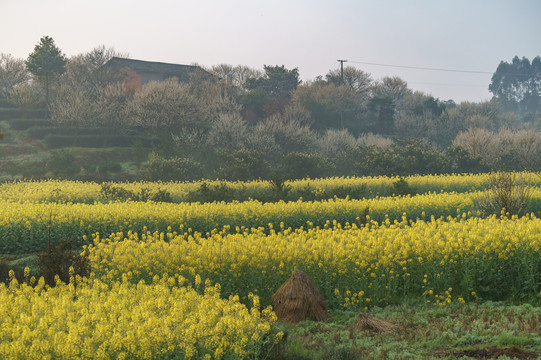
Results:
<point x="311" y="35"/>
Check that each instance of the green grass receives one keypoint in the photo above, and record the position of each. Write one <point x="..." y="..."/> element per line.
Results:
<point x="486" y="330"/>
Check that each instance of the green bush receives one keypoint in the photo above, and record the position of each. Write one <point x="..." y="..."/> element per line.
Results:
<point x="244" y="165"/>
<point x="179" y="169"/>
<point x="402" y="187"/>
<point x="210" y="193"/>
<point x="109" y="166"/>
<point x="463" y="162"/>
<point x="299" y="165"/>
<point x="118" y="193"/>
<point x="402" y="158"/>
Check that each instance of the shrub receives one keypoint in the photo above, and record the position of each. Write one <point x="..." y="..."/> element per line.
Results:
<point x="401" y="187"/>
<point x="4" y="270"/>
<point x="509" y="195"/>
<point x="419" y="157"/>
<point x="299" y="165"/>
<point x="289" y="135"/>
<point x="463" y="162"/>
<point x="229" y="133"/>
<point x="210" y="193"/>
<point x="109" y="166"/>
<point x="279" y="188"/>
<point x="28" y="96"/>
<point x="176" y="168"/>
<point x="334" y="142"/>
<point x="64" y="261"/>
<point x="375" y="140"/>
<point x="244" y="165"/>
<point x="118" y="193"/>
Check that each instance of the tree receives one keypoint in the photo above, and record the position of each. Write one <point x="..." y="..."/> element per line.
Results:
<point x="270" y="93"/>
<point x="277" y="81"/>
<point x="517" y="85"/>
<point x="81" y="91"/>
<point x="356" y="79"/>
<point x="88" y="69"/>
<point x="332" y="106"/>
<point x="386" y="96"/>
<point x="165" y="106"/>
<point x="12" y="72"/>
<point x="46" y="63"/>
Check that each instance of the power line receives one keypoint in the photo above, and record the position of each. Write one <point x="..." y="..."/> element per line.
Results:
<point x="422" y="68"/>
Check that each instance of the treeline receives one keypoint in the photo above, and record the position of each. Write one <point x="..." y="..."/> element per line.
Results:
<point x="245" y="123"/>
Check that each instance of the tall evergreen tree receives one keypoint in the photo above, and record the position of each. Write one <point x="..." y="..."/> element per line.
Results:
<point x="46" y="63"/>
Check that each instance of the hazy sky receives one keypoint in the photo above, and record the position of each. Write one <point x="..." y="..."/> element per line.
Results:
<point x="473" y="35"/>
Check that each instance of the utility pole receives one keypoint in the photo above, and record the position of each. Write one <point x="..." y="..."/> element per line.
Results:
<point x="342" y="68"/>
<point x="342" y="76"/>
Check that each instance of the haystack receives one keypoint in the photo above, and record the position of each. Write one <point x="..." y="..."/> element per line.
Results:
<point x="366" y="322"/>
<point x="298" y="299"/>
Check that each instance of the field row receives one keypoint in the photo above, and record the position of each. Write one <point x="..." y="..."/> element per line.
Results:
<point x="309" y="189"/>
<point x="460" y="258"/>
<point x="28" y="227"/>
<point x="165" y="319"/>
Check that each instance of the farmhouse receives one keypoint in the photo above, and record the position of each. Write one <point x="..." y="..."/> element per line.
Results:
<point x="136" y="73"/>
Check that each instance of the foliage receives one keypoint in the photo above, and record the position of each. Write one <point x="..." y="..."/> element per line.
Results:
<point x="326" y="188"/>
<point x="276" y="82"/>
<point x="287" y="134"/>
<point x="270" y="93"/>
<point x="118" y="193"/>
<point x="243" y="165"/>
<point x="166" y="105"/>
<point x="210" y="193"/>
<point x="402" y="188"/>
<point x="12" y="72"/>
<point x="62" y="260"/>
<point x="300" y="165"/>
<point x="46" y="63"/>
<point x="355" y="79"/>
<point x="27" y="96"/>
<point x="402" y="158"/>
<point x="332" y="106"/>
<point x="228" y="133"/>
<point x="509" y="150"/>
<point x="509" y="195"/>
<point x="517" y="85"/>
<point x="462" y="161"/>
<point x="176" y="168"/>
